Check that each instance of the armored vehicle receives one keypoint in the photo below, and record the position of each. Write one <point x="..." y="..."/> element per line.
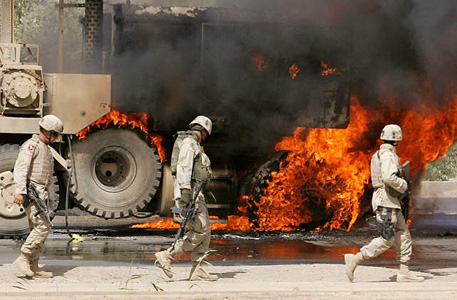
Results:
<point x="253" y="67"/>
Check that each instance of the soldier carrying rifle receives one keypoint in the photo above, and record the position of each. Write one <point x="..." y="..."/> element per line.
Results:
<point x="33" y="172"/>
<point x="389" y="189"/>
<point x="190" y="167"/>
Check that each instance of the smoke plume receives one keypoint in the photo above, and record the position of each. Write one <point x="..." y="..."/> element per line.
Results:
<point x="395" y="54"/>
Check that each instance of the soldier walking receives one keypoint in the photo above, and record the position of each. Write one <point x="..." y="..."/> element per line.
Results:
<point x="388" y="187"/>
<point x="35" y="166"/>
<point x="189" y="163"/>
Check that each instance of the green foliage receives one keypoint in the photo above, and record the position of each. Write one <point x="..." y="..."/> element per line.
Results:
<point x="23" y="284"/>
<point x="443" y="168"/>
<point x="156" y="287"/>
<point x="37" y="22"/>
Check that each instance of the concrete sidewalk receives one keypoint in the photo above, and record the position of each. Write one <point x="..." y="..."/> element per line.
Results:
<point x="296" y="281"/>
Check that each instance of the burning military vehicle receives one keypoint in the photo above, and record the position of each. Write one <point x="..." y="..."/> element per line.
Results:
<point x="272" y="75"/>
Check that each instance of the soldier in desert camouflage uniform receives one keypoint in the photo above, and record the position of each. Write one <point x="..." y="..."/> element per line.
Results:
<point x="35" y="165"/>
<point x="189" y="162"/>
<point x="388" y="187"/>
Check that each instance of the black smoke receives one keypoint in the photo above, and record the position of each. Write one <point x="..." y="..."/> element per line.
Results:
<point x="399" y="53"/>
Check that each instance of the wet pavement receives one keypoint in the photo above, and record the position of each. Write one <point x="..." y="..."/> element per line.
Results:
<point x="434" y="239"/>
<point x="231" y="248"/>
<point x="118" y="263"/>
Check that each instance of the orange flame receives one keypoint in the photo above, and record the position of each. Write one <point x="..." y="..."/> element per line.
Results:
<point x="234" y="223"/>
<point x="165" y="223"/>
<point x="243" y="204"/>
<point x="327" y="71"/>
<point x="428" y="133"/>
<point x="322" y="171"/>
<point x="259" y="62"/>
<point x="293" y="71"/>
<point x="132" y="120"/>
<point x="328" y="170"/>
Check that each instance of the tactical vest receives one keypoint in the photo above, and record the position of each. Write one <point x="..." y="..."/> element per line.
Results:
<point x="376" y="176"/>
<point x="201" y="170"/>
<point x="181" y="135"/>
<point x="42" y="165"/>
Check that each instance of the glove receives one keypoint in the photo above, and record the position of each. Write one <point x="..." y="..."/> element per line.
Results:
<point x="185" y="198"/>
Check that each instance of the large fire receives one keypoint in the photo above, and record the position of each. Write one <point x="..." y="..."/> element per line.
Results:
<point x="132" y="120"/>
<point x="323" y="177"/>
<point x="328" y="170"/>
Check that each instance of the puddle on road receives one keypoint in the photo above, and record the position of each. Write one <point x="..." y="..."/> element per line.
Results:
<point x="233" y="247"/>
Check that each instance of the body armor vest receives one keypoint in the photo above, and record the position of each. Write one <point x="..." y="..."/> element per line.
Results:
<point x="201" y="166"/>
<point x="181" y="135"/>
<point x="376" y="176"/>
<point x="202" y="169"/>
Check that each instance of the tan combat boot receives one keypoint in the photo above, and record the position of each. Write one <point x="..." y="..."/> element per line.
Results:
<point x="404" y="275"/>
<point x="197" y="273"/>
<point x="23" y="264"/>
<point x="351" y="262"/>
<point x="163" y="260"/>
<point x="38" y="272"/>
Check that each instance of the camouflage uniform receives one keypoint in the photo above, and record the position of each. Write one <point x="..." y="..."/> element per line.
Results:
<point x="190" y="164"/>
<point x="388" y="186"/>
<point x="34" y="164"/>
<point x="197" y="239"/>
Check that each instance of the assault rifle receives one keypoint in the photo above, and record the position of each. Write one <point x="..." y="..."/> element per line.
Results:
<point x="405" y="198"/>
<point x="187" y="213"/>
<point x="33" y="196"/>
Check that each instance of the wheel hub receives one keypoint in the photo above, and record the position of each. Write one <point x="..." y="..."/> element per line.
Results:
<point x="114" y="169"/>
<point x="7" y="206"/>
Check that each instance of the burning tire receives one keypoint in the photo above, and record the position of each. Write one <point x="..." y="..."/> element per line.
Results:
<point x="13" y="220"/>
<point x="117" y="173"/>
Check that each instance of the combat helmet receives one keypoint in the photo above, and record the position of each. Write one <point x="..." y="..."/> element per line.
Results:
<point x="51" y="123"/>
<point x="391" y="132"/>
<point x="204" y="122"/>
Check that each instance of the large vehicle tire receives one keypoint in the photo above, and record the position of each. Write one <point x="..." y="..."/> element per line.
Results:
<point x="165" y="195"/>
<point x="13" y="220"/>
<point x="117" y="173"/>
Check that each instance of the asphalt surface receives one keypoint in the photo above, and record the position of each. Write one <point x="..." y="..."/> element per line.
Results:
<point x="119" y="264"/>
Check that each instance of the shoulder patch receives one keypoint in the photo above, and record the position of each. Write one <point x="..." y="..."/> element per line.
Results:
<point x="30" y="149"/>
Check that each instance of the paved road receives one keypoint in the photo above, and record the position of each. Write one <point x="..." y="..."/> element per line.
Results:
<point x="250" y="266"/>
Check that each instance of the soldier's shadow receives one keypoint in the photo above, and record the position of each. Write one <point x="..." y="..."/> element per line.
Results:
<point x="220" y="274"/>
<point x="394" y="278"/>
<point x="58" y="271"/>
<point x="229" y="274"/>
